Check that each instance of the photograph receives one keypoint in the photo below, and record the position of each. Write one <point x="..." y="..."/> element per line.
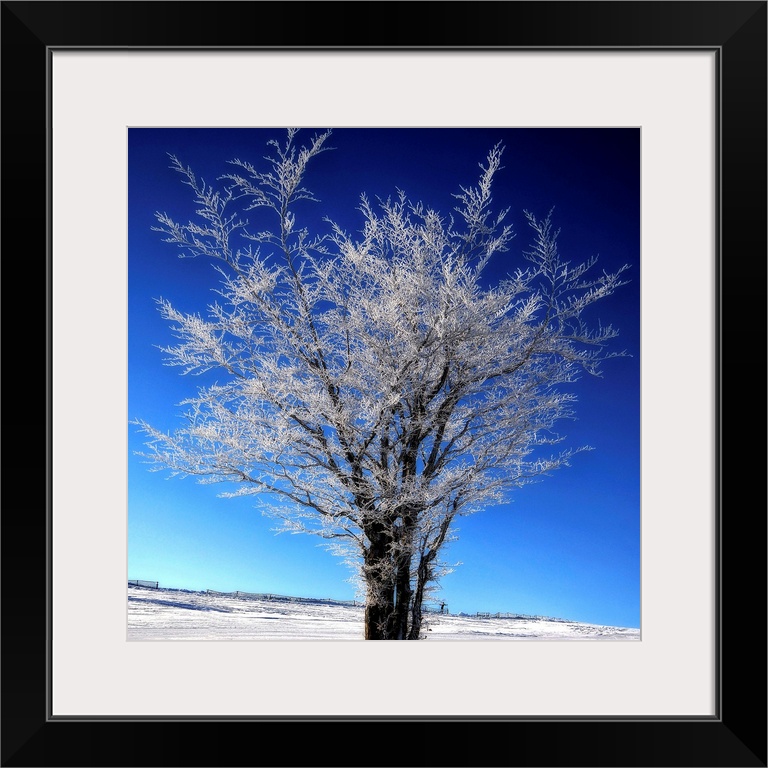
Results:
<point x="417" y="347"/>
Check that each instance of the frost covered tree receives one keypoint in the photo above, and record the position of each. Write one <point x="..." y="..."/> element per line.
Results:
<point x="375" y="388"/>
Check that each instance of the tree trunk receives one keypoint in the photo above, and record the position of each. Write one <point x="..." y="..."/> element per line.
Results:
<point x="376" y="616"/>
<point x="391" y="604"/>
<point x="422" y="577"/>
<point x="380" y="594"/>
<point x="398" y="629"/>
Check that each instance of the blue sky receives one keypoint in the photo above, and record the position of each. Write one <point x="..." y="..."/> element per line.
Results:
<point x="568" y="546"/>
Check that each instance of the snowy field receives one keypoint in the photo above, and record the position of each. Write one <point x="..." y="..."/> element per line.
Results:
<point x="173" y="614"/>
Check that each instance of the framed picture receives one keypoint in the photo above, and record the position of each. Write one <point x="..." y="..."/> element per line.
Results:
<point x="691" y="78"/>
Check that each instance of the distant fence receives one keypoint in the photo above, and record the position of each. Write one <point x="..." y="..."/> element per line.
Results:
<point x="330" y="601"/>
<point x="516" y="616"/>
<point x="309" y="600"/>
<point x="282" y="598"/>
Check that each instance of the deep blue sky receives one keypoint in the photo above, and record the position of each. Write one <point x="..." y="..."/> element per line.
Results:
<point x="566" y="547"/>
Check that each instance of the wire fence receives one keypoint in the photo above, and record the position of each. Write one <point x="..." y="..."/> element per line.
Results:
<point x="311" y="600"/>
<point x="282" y="598"/>
<point x="442" y="608"/>
<point x="526" y="616"/>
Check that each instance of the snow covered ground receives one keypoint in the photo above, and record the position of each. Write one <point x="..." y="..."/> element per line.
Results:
<point x="173" y="614"/>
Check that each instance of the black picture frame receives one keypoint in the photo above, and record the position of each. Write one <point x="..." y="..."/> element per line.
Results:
<point x="736" y="735"/>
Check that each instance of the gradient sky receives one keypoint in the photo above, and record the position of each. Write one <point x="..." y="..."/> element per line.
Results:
<point x="568" y="546"/>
